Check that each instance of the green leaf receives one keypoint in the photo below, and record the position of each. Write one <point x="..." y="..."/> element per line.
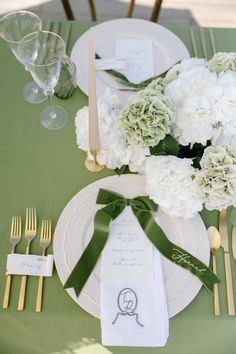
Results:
<point x="167" y="146"/>
<point x="196" y="161"/>
<point x="122" y="170"/>
<point x="194" y="152"/>
<point x="123" y="79"/>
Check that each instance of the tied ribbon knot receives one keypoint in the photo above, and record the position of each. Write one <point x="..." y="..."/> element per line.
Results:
<point x="142" y="208"/>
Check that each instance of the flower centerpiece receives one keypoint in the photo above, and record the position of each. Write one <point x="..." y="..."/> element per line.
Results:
<point x="179" y="131"/>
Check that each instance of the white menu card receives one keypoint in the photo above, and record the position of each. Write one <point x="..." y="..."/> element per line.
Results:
<point x="138" y="54"/>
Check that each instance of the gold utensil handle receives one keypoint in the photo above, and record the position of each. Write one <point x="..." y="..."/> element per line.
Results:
<point x="21" y="302"/>
<point x="39" y="295"/>
<point x="7" y="292"/>
<point x="216" y="289"/>
<point x="229" y="285"/>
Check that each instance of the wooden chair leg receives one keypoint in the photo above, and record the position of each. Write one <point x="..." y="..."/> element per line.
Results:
<point x="92" y="10"/>
<point x="130" y="8"/>
<point x="68" y="10"/>
<point x="155" y="10"/>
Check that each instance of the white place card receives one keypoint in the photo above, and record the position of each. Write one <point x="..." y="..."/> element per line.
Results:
<point x="25" y="264"/>
<point x="110" y="64"/>
<point x="138" y="54"/>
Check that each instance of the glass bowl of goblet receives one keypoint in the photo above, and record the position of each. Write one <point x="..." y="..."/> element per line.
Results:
<point x="15" y="28"/>
<point x="45" y="69"/>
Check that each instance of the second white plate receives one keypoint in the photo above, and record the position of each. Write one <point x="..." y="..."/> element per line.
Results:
<point x="168" y="49"/>
<point x="74" y="230"/>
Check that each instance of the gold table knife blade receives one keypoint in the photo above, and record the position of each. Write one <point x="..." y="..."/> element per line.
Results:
<point x="234" y="241"/>
<point x="228" y="273"/>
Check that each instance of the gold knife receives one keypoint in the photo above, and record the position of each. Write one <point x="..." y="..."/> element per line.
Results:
<point x="228" y="273"/>
<point x="234" y="241"/>
<point x="233" y="222"/>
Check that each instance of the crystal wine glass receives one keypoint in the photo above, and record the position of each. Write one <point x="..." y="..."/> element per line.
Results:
<point x="14" y="27"/>
<point x="45" y="66"/>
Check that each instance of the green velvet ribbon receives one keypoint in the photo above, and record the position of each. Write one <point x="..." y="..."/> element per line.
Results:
<point x="142" y="208"/>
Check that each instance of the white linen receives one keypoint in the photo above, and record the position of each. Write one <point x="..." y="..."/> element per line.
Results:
<point x="133" y="299"/>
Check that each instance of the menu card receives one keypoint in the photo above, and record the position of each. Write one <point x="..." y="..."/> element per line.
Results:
<point x="138" y="54"/>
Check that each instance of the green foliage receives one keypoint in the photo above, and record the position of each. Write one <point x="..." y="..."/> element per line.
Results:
<point x="167" y="146"/>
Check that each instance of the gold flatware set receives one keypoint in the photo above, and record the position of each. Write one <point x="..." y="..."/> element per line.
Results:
<point x="219" y="239"/>
<point x="15" y="237"/>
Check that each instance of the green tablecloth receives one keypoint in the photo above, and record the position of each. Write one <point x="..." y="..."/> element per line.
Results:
<point x="45" y="169"/>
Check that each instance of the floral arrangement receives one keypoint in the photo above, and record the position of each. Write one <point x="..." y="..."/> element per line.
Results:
<point x="180" y="132"/>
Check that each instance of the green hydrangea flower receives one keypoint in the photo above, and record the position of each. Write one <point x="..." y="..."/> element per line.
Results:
<point x="216" y="180"/>
<point x="146" y="119"/>
<point x="222" y="62"/>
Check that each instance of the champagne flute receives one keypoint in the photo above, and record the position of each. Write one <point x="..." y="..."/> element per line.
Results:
<point x="14" y="27"/>
<point x="45" y="66"/>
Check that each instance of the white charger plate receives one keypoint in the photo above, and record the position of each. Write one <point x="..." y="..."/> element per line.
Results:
<point x="74" y="230"/>
<point x="168" y="49"/>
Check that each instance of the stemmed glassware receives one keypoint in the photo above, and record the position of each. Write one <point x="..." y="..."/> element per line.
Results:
<point x="23" y="27"/>
<point x="44" y="66"/>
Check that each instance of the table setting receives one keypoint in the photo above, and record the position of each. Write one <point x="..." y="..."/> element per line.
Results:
<point x="134" y="187"/>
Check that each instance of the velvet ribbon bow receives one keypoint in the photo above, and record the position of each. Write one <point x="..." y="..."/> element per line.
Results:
<point x="142" y="208"/>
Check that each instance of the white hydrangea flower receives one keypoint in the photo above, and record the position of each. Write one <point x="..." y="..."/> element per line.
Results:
<point x="192" y="94"/>
<point x="216" y="181"/>
<point x="184" y="65"/>
<point x="222" y="61"/>
<point x="115" y="151"/>
<point x="225" y="111"/>
<point x="170" y="185"/>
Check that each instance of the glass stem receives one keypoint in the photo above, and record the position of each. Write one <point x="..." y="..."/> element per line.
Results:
<point x="50" y="99"/>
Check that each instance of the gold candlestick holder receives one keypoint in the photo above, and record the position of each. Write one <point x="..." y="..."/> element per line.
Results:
<point x="93" y="165"/>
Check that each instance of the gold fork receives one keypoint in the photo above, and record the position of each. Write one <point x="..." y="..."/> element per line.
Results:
<point x="30" y="233"/>
<point x="45" y="240"/>
<point x="15" y="236"/>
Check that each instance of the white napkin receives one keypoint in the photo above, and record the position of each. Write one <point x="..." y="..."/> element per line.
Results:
<point x="133" y="299"/>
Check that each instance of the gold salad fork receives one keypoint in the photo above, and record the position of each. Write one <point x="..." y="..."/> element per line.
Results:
<point x="30" y="233"/>
<point x="15" y="236"/>
<point x="45" y="240"/>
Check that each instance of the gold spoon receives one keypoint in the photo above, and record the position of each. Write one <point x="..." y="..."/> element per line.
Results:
<point x="214" y="239"/>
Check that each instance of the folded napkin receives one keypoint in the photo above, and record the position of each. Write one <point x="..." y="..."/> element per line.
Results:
<point x="133" y="299"/>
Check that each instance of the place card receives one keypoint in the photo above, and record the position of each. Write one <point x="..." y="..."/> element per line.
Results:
<point x="110" y="64"/>
<point x="25" y="264"/>
<point x="138" y="54"/>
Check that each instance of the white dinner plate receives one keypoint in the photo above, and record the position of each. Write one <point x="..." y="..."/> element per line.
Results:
<point x="74" y="230"/>
<point x="168" y="49"/>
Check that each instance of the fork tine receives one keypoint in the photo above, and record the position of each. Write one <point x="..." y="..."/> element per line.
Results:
<point x="12" y="225"/>
<point x="34" y="219"/>
<point x="50" y="229"/>
<point x="20" y="226"/>
<point x="46" y="230"/>
<point x="27" y="219"/>
<point x="42" y="230"/>
<point x="31" y="218"/>
<point x="16" y="227"/>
